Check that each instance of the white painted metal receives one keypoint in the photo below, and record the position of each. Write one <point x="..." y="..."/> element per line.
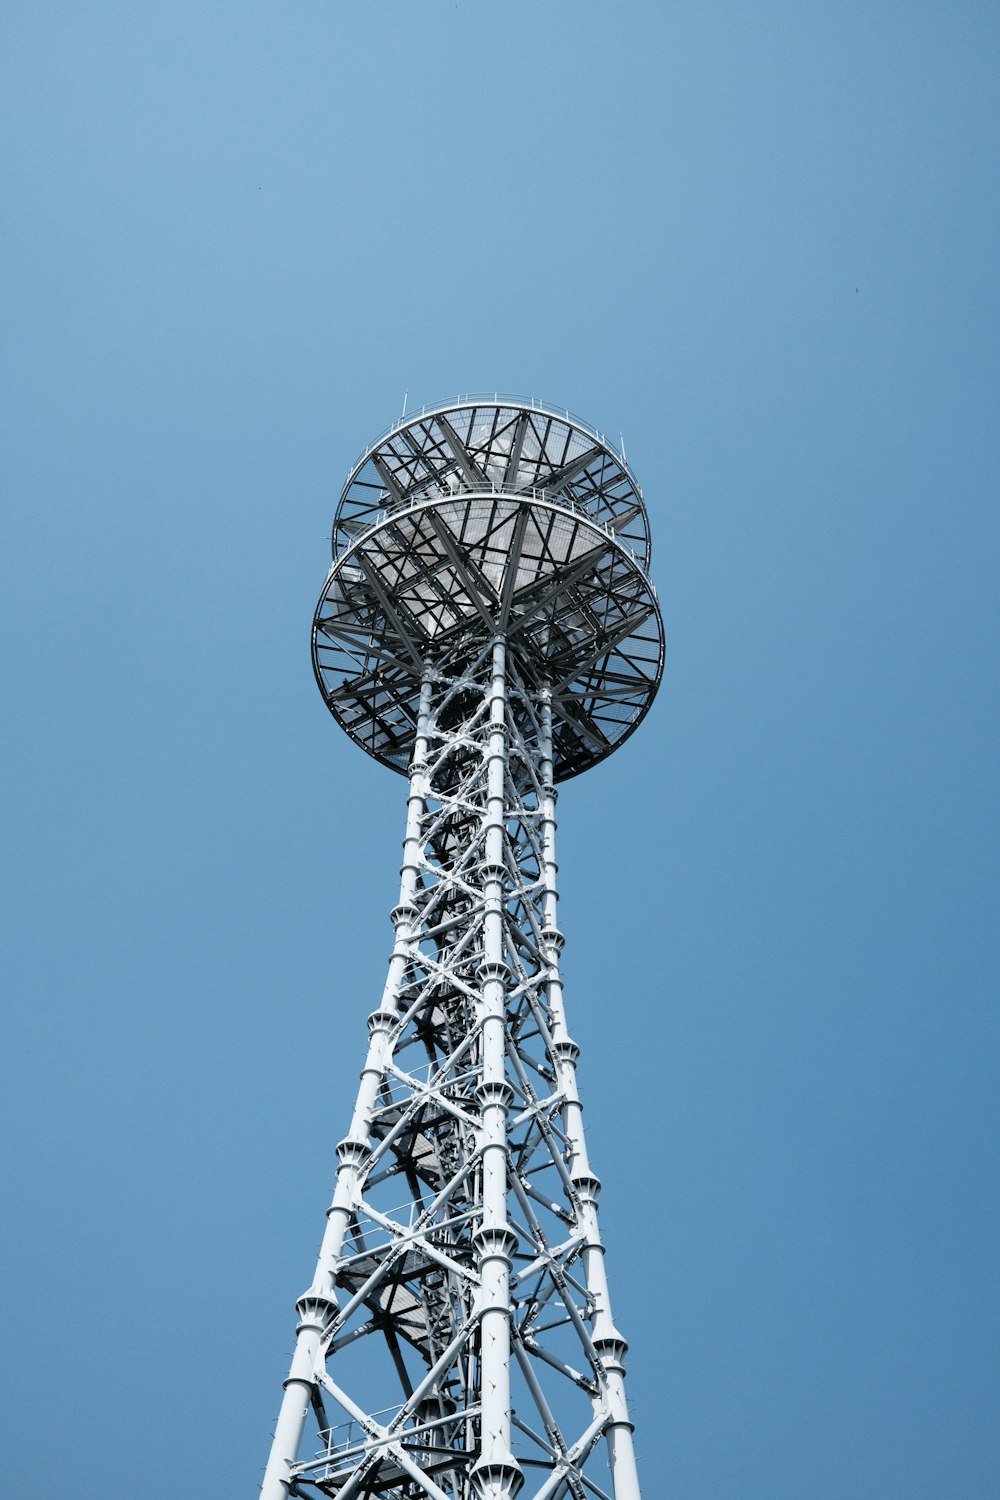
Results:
<point x="352" y="1152"/>
<point x="460" y="1343"/>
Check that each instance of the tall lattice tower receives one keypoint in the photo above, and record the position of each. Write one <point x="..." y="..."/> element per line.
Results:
<point x="487" y="629"/>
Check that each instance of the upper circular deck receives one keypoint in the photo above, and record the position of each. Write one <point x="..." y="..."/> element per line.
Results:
<point x="493" y="443"/>
<point x="442" y="542"/>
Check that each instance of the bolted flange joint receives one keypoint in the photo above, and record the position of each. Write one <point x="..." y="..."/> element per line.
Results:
<point x="493" y="871"/>
<point x="498" y="1241"/>
<point x="566" y="1050"/>
<point x="588" y="1185"/>
<point x="382" y="1020"/>
<point x="553" y="938"/>
<point x="315" y="1309"/>
<point x="495" y="1091"/>
<point x="405" y="913"/>
<point x="352" y="1153"/>
<point x="611" y="1349"/>
<point x="493" y="968"/>
<point x="497" y="1478"/>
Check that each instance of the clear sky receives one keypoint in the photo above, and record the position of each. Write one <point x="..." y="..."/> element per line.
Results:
<point x="762" y="242"/>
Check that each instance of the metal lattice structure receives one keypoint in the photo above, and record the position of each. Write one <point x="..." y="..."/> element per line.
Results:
<point x="488" y="629"/>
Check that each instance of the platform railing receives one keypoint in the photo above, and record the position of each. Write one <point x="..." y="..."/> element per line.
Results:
<point x="348" y="1442"/>
<point x="490" y="398"/>
<point x="368" y="521"/>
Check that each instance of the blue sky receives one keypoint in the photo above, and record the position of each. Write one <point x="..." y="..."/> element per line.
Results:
<point x="762" y="243"/>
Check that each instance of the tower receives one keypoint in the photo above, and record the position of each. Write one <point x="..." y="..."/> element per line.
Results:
<point x="488" y="629"/>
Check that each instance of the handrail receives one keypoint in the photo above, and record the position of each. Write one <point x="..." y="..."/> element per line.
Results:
<point x="357" y="1439"/>
<point x="488" y="398"/>
<point x="537" y="493"/>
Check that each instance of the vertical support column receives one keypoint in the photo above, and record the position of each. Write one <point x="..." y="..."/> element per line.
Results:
<point x="316" y="1305"/>
<point x="496" y="1474"/>
<point x="609" y="1343"/>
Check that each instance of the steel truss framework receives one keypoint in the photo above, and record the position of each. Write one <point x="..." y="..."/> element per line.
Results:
<point x="480" y="518"/>
<point x="457" y="1339"/>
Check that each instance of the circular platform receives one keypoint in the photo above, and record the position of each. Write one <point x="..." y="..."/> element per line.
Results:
<point x="482" y="518"/>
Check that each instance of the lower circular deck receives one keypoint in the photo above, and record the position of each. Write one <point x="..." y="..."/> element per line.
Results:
<point x="428" y="583"/>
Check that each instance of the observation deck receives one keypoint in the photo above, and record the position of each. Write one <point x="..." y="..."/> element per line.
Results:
<point x="481" y="517"/>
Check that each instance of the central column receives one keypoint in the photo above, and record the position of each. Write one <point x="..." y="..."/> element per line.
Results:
<point x="496" y="1475"/>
